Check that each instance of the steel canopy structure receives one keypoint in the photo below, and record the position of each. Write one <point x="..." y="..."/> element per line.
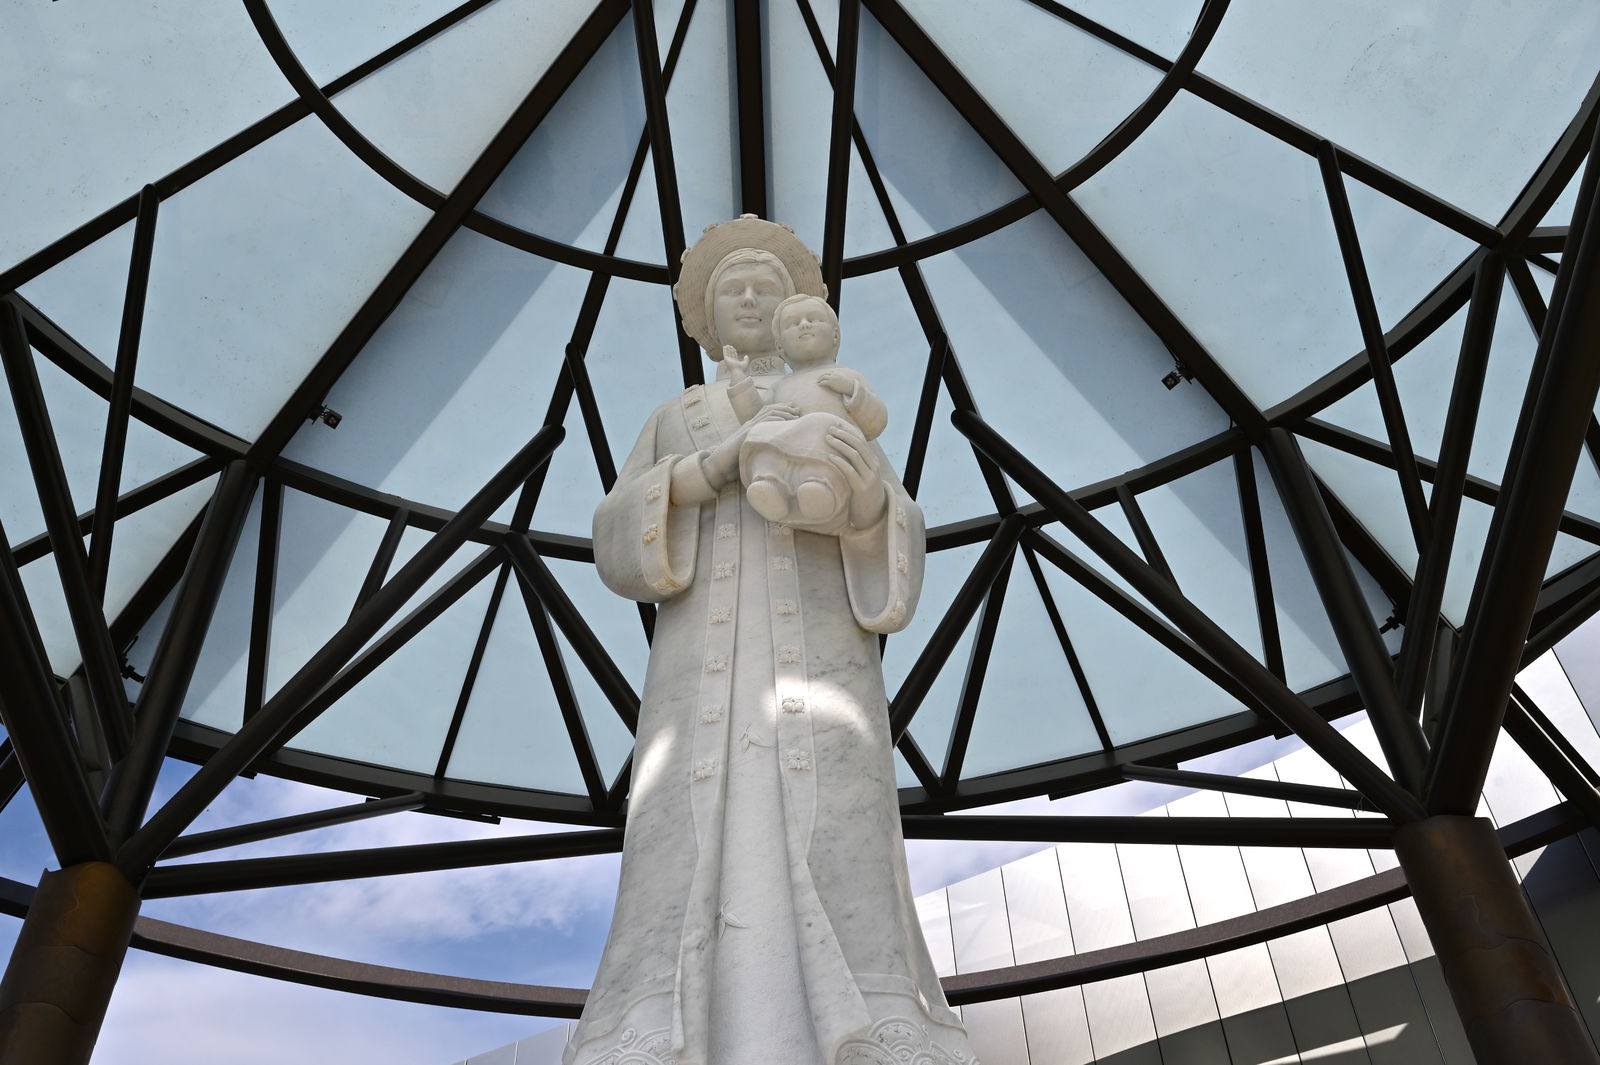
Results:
<point x="1232" y="411"/>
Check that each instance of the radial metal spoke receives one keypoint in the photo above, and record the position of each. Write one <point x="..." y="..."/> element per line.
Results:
<point x="238" y="835"/>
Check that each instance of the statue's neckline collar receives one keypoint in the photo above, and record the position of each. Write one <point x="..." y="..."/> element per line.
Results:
<point x="760" y="366"/>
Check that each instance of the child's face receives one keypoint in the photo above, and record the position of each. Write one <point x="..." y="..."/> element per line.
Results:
<point x="808" y="335"/>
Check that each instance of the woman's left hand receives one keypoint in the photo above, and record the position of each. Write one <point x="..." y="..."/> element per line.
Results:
<point x="854" y="459"/>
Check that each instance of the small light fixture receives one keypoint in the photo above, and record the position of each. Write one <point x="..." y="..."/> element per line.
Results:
<point x="1178" y="374"/>
<point x="327" y="416"/>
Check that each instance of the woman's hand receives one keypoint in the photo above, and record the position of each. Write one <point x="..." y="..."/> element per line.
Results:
<point x="721" y="464"/>
<point x="854" y="459"/>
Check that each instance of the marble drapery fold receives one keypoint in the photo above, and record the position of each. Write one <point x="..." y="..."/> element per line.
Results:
<point x="764" y="912"/>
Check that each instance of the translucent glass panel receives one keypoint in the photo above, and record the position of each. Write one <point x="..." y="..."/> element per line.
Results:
<point x="101" y="97"/>
<point x="217" y="689"/>
<point x="1163" y="28"/>
<point x="399" y="713"/>
<point x="434" y="109"/>
<point x="800" y="103"/>
<point x="703" y="120"/>
<point x="257" y="267"/>
<point x="1238" y="241"/>
<point x="456" y="380"/>
<point x="331" y="39"/>
<point x="1058" y="88"/>
<point x="566" y="181"/>
<point x="945" y="573"/>
<point x="938" y="170"/>
<point x="1057" y="361"/>
<point x="1030" y="709"/>
<point x="84" y="293"/>
<point x="881" y="337"/>
<point x="1462" y="99"/>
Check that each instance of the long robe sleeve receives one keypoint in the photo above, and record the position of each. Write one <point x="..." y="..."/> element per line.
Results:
<point x="883" y="564"/>
<point x="644" y="546"/>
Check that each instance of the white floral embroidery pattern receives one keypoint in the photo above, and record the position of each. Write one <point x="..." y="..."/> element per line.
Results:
<point x="727" y="531"/>
<point x="701" y="422"/>
<point x="652" y="1048"/>
<point x="800" y="760"/>
<point x="897" y="613"/>
<point x="793" y="704"/>
<point x="716" y="664"/>
<point x="789" y="656"/>
<point x="721" y="615"/>
<point x="722" y="571"/>
<point x="705" y="768"/>
<point x="651" y="531"/>
<point x="783" y="563"/>
<point x="900" y="562"/>
<point x="788" y="606"/>
<point x="781" y="528"/>
<point x="691" y="397"/>
<point x="900" y="517"/>
<point x="710" y="715"/>
<point x="899" y="1041"/>
<point x="652" y="493"/>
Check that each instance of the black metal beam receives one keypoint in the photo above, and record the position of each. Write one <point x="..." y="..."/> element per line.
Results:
<point x="1528" y="294"/>
<point x="1278" y="698"/>
<point x="919" y="679"/>
<point x="237" y="835"/>
<point x="283" y="712"/>
<point x="134" y="500"/>
<point x="36" y="728"/>
<point x="566" y="699"/>
<point x="11" y="778"/>
<point x="61" y="522"/>
<point x="1353" y="626"/>
<point x="1343" y="798"/>
<point x="245" y="874"/>
<point x="1353" y="832"/>
<point x="660" y="131"/>
<point x="436" y="232"/>
<point x="1556" y="758"/>
<point x="1079" y="677"/>
<point x="531" y="570"/>
<point x="383" y="557"/>
<point x="844" y="121"/>
<point x="116" y="438"/>
<point x="977" y="670"/>
<point x="1146" y="537"/>
<point x="1474" y="488"/>
<point x="263" y="605"/>
<point x="1394" y="415"/>
<point x="470" y="680"/>
<point x="1444" y="509"/>
<point x="172" y="667"/>
<point x="749" y="75"/>
<point x="1538" y="476"/>
<point x="1255" y="542"/>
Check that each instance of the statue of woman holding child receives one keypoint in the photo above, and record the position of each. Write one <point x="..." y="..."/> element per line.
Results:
<point x="764" y="913"/>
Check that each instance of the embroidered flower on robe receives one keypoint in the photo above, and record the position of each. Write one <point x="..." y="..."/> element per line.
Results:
<point x="651" y="531"/>
<point x="652" y="493"/>
<point x="705" y="768"/>
<point x="789" y="656"/>
<point x="722" y="571"/>
<point x="716" y="664"/>
<point x="721" y="615"/>
<point x="788" y="606"/>
<point x="793" y="704"/>
<point x="799" y="759"/>
<point x="710" y="715"/>
<point x="701" y="422"/>
<point x="727" y="531"/>
<point x="783" y="563"/>
<point x="900" y="562"/>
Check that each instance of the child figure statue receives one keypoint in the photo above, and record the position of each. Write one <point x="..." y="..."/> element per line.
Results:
<point x="790" y="473"/>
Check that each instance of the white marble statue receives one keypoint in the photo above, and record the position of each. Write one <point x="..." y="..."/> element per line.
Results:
<point x="764" y="915"/>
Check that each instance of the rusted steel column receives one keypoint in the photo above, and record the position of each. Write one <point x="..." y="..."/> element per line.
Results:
<point x="1505" y="983"/>
<point x="58" y="984"/>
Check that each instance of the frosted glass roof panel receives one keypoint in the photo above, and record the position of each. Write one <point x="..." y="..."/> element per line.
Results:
<point x="84" y="293"/>
<point x="1160" y="26"/>
<point x="135" y="90"/>
<point x="256" y="269"/>
<point x="511" y="732"/>
<point x="801" y="106"/>
<point x="217" y="690"/>
<point x="436" y="107"/>
<point x="1047" y="342"/>
<point x="1240" y="244"/>
<point x="330" y="39"/>
<point x="1464" y="99"/>
<point x="938" y="171"/>
<point x="458" y="378"/>
<point x="703" y="120"/>
<point x="566" y="180"/>
<point x="1058" y="88"/>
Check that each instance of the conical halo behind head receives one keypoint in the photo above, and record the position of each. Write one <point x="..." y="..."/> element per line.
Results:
<point x="719" y="241"/>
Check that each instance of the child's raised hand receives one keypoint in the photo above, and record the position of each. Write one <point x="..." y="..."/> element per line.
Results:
<point x="731" y="356"/>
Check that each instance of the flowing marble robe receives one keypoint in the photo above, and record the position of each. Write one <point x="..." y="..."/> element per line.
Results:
<point x="765" y="912"/>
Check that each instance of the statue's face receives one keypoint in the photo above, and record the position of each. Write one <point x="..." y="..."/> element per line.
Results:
<point x="809" y="336"/>
<point x="746" y="296"/>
